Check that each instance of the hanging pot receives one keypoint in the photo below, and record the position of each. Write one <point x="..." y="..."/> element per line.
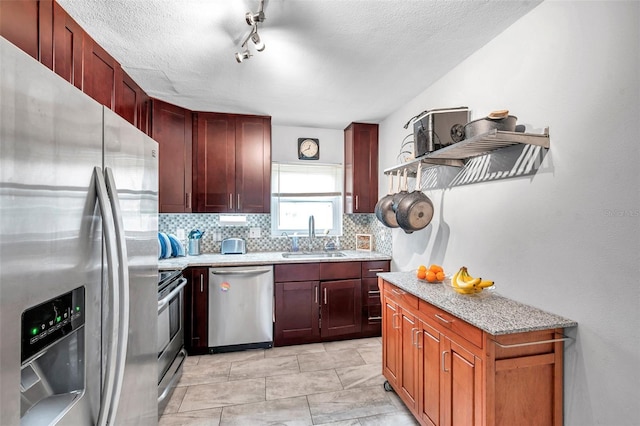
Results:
<point x="415" y="210"/>
<point x="404" y="190"/>
<point x="384" y="207"/>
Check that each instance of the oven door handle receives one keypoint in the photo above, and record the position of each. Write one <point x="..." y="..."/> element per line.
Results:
<point x="165" y="300"/>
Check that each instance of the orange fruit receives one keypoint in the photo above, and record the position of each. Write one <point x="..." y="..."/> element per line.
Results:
<point x="436" y="268"/>
<point x="431" y="276"/>
<point x="422" y="274"/>
<point x="422" y="268"/>
<point x="440" y="276"/>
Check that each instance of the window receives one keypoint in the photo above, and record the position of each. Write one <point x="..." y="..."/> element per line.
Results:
<point x="301" y="190"/>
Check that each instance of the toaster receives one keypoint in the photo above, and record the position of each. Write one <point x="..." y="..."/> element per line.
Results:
<point x="233" y="246"/>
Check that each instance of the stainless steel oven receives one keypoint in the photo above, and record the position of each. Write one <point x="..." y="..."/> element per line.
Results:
<point x="171" y="352"/>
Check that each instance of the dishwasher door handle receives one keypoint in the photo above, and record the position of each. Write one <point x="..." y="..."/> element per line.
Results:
<point x="239" y="272"/>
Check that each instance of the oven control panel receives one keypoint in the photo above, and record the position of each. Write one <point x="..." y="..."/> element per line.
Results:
<point x="50" y="321"/>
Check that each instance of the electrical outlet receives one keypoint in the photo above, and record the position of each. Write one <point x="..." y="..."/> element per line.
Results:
<point x="217" y="236"/>
<point x="254" y="232"/>
<point x="180" y="234"/>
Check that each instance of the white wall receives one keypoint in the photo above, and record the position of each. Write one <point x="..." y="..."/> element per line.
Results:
<point x="568" y="239"/>
<point x="284" y="143"/>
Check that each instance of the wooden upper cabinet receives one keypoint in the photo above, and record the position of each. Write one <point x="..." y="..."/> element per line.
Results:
<point x="172" y="129"/>
<point x="133" y="104"/>
<point x="232" y="163"/>
<point x="360" y="168"/>
<point x="253" y="164"/>
<point x="68" y="42"/>
<point x="29" y="25"/>
<point x="101" y="74"/>
<point x="215" y="164"/>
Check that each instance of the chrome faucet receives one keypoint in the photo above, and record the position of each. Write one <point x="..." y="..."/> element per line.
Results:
<point x="312" y="232"/>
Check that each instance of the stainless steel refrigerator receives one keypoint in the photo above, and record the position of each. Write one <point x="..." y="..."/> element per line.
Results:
<point x="78" y="255"/>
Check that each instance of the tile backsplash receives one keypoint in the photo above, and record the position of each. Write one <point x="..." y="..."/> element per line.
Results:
<point x="352" y="224"/>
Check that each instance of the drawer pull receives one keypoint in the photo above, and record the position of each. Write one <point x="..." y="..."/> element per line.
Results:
<point x="377" y="270"/>
<point x="374" y="291"/>
<point x="444" y="320"/>
<point x="397" y="292"/>
<point x="374" y="318"/>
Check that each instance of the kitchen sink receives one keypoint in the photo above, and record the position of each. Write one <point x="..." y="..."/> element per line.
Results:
<point x="312" y="254"/>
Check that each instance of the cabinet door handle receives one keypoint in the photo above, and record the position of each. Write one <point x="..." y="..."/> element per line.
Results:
<point x="413" y="336"/>
<point x="444" y="363"/>
<point x="230" y="201"/>
<point x="315" y="291"/>
<point x="418" y="339"/>
<point x="356" y="202"/>
<point x="201" y="283"/>
<point x="374" y="291"/>
<point x="444" y="320"/>
<point x="325" y="295"/>
<point x="238" y="202"/>
<point x="188" y="200"/>
<point x="393" y="321"/>
<point x="374" y="318"/>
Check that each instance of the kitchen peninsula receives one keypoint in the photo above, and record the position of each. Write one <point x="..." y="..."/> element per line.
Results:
<point x="458" y="359"/>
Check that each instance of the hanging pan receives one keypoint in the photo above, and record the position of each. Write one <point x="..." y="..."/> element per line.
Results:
<point x="402" y="192"/>
<point x="384" y="207"/>
<point x="415" y="210"/>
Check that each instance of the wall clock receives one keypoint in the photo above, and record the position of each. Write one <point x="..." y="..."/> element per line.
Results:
<point x="308" y="149"/>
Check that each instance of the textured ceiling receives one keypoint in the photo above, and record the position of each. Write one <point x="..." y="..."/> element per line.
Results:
<point x="326" y="63"/>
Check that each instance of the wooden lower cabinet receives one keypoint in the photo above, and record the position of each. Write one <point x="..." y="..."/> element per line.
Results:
<point x="371" y="303"/>
<point x="325" y="301"/>
<point x="196" y="313"/>
<point x="297" y="312"/>
<point x="340" y="310"/>
<point x="450" y="378"/>
<point x="450" y="373"/>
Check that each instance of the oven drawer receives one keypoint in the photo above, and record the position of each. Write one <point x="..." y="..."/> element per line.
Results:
<point x="170" y="324"/>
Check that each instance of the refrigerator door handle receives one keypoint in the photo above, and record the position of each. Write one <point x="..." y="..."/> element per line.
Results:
<point x="114" y="287"/>
<point x="123" y="275"/>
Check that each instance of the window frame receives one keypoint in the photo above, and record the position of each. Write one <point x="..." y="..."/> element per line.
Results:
<point x="335" y="198"/>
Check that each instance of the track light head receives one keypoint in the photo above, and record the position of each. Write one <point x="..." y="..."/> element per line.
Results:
<point x="242" y="56"/>
<point x="255" y="38"/>
<point x="254" y="18"/>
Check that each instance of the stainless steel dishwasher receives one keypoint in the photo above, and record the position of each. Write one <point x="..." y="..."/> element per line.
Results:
<point x="240" y="308"/>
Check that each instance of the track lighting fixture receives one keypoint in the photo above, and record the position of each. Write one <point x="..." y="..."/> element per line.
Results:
<point x="253" y="19"/>
<point x="242" y="56"/>
<point x="255" y="38"/>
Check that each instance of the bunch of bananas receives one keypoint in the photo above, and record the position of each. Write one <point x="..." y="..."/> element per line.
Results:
<point x="463" y="283"/>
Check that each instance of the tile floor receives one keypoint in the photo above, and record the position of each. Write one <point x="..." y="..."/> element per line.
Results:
<point x="334" y="383"/>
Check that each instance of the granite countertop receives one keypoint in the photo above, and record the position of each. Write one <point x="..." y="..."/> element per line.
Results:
<point x="493" y="314"/>
<point x="262" y="258"/>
